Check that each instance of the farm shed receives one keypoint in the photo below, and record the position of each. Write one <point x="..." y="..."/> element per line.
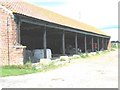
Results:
<point x="24" y="26"/>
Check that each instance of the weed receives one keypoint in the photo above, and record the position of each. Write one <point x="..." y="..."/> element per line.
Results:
<point x="112" y="49"/>
<point x="75" y="56"/>
<point x="97" y="53"/>
<point x="64" y="58"/>
<point x="82" y="55"/>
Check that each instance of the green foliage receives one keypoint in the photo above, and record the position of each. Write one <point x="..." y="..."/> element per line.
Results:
<point x="28" y="68"/>
<point x="97" y="53"/>
<point x="119" y="45"/>
<point x="112" y="49"/>
<point x="75" y="56"/>
<point x="13" y="70"/>
<point x="84" y="55"/>
<point x="115" y="46"/>
<point x="71" y="58"/>
<point x="64" y="58"/>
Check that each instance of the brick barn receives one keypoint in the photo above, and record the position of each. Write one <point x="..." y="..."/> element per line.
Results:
<point x="24" y="26"/>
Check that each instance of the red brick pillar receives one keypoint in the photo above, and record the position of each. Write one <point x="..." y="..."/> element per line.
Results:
<point x="17" y="56"/>
<point x="10" y="52"/>
<point x="3" y="37"/>
<point x="109" y="45"/>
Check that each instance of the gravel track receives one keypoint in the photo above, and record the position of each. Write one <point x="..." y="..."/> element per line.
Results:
<point x="99" y="73"/>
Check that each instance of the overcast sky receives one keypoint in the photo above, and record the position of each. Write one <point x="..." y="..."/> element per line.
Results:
<point x="102" y="14"/>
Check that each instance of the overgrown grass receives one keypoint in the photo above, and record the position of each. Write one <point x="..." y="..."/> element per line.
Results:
<point x="14" y="70"/>
<point x="84" y="55"/>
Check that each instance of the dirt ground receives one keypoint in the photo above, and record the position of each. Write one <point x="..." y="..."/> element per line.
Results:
<point x="89" y="73"/>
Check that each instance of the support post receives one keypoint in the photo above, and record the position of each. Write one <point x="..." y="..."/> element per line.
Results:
<point x="63" y="43"/>
<point x="103" y="43"/>
<point x="85" y="45"/>
<point x="98" y="43"/>
<point x="106" y="43"/>
<point x="44" y="42"/>
<point x="18" y="30"/>
<point x="92" y="44"/>
<point x="76" y="43"/>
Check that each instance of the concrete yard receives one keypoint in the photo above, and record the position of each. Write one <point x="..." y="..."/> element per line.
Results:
<point x="99" y="73"/>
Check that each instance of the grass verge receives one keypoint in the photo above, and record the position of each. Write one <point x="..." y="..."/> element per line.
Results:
<point x="14" y="70"/>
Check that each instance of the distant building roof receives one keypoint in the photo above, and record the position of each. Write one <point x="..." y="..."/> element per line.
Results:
<point x="28" y="9"/>
<point x="115" y="41"/>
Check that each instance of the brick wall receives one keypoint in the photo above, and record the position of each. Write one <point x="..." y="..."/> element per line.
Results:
<point x="109" y="45"/>
<point x="9" y="52"/>
<point x="3" y="37"/>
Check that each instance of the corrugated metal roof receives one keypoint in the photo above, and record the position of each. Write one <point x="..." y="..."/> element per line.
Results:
<point x="25" y="8"/>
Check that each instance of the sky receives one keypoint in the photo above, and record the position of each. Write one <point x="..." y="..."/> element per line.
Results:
<point x="102" y="14"/>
